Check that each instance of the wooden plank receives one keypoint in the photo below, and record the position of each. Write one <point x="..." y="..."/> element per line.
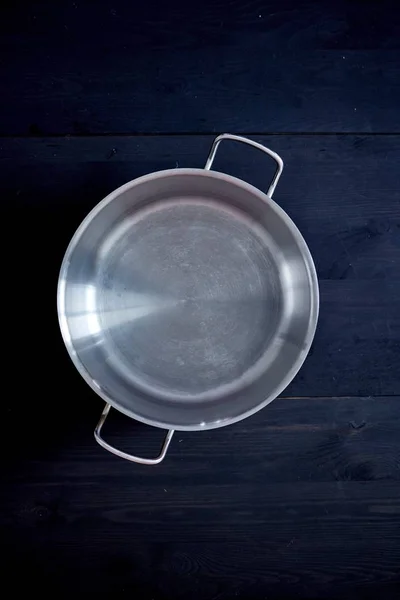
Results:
<point x="199" y="67"/>
<point x="112" y="508"/>
<point x="292" y="569"/>
<point x="99" y="564"/>
<point x="310" y="531"/>
<point x="300" y="500"/>
<point x="342" y="192"/>
<point x="302" y="440"/>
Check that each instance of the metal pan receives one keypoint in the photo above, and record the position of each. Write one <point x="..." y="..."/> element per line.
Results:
<point x="187" y="299"/>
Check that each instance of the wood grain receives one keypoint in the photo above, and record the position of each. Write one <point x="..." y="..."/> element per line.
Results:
<point x="299" y="501"/>
<point x="288" y="568"/>
<point x="173" y="67"/>
<point x="302" y="440"/>
<point x="343" y="192"/>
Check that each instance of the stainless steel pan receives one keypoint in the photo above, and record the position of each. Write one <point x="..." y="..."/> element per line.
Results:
<point x="187" y="299"/>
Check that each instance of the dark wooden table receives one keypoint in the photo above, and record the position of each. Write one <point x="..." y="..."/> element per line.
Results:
<point x="301" y="500"/>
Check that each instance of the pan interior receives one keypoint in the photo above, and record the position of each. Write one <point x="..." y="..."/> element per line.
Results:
<point x="188" y="297"/>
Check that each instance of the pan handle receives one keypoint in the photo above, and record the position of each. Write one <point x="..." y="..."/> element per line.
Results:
<point x="238" y="138"/>
<point x="136" y="459"/>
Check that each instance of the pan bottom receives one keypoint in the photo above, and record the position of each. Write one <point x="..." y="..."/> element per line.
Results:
<point x="188" y="297"/>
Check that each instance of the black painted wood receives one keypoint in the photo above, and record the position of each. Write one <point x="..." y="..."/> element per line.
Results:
<point x="202" y="66"/>
<point x="301" y="500"/>
<point x="303" y="440"/>
<point x="342" y="191"/>
<point x="352" y="566"/>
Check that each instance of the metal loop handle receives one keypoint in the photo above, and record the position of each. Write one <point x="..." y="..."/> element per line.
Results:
<point x="136" y="459"/>
<point x="238" y="138"/>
